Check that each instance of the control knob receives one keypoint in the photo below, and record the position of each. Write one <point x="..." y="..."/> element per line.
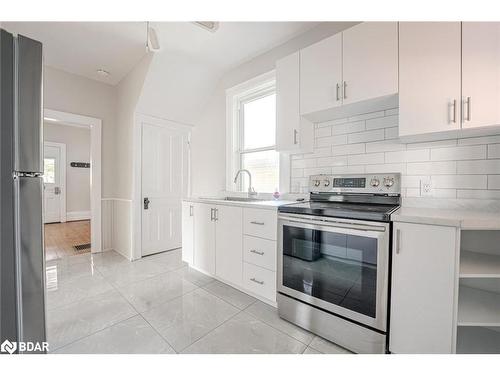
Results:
<point x="374" y="182"/>
<point x="317" y="183"/>
<point x="388" y="182"/>
<point x="327" y="182"/>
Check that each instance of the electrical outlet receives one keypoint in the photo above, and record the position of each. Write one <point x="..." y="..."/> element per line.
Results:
<point x="426" y="187"/>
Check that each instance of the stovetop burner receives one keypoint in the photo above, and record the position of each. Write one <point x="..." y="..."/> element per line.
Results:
<point x="362" y="197"/>
<point x="359" y="211"/>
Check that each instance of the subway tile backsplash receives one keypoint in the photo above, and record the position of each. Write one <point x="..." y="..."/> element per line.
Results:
<point x="467" y="168"/>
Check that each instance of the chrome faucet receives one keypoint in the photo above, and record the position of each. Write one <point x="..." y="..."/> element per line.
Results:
<point x="251" y="190"/>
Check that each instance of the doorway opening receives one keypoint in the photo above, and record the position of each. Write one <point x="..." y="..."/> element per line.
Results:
<point x="72" y="189"/>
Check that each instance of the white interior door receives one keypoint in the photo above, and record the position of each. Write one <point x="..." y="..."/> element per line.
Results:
<point x="164" y="184"/>
<point x="53" y="179"/>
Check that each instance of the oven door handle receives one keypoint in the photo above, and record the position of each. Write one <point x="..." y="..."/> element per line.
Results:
<point x="337" y="224"/>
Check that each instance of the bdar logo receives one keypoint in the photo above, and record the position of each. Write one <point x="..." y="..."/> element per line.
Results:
<point x="8" y="347"/>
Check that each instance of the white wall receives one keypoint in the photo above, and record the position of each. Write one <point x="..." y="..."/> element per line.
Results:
<point x="75" y="94"/>
<point x="176" y="87"/>
<point x="77" y="141"/>
<point x="208" y="138"/>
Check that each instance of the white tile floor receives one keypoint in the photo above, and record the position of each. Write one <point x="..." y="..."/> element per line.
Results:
<point x="105" y="304"/>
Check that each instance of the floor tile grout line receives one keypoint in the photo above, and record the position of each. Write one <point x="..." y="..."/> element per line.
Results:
<point x="225" y="321"/>
<point x="230" y="317"/>
<point x="142" y="280"/>
<point x="93" y="333"/>
<point x="222" y="298"/>
<point x="158" y="333"/>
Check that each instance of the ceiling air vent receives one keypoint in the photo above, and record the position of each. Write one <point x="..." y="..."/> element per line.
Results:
<point x="208" y="25"/>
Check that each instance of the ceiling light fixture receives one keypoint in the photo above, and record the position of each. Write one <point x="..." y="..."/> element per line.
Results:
<point x="152" y="41"/>
<point x="208" y="25"/>
<point x="103" y="72"/>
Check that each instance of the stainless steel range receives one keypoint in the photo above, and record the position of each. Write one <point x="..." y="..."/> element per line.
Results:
<point x="333" y="259"/>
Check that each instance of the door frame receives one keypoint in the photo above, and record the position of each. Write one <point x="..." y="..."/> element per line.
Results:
<point x="62" y="176"/>
<point x="139" y="120"/>
<point x="95" y="126"/>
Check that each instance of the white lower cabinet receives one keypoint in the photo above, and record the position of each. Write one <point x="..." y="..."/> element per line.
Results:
<point x="204" y="237"/>
<point x="214" y="243"/>
<point x="423" y="289"/>
<point x="229" y="243"/>
<point x="259" y="281"/>
<point x="260" y="252"/>
<point x="188" y="232"/>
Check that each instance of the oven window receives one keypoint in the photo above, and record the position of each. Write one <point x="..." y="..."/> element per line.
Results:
<point x="334" y="267"/>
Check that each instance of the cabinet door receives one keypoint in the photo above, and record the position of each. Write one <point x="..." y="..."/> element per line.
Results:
<point x="204" y="238"/>
<point x="370" y="61"/>
<point x="429" y="77"/>
<point x="481" y="73"/>
<point x="320" y="73"/>
<point x="229" y="243"/>
<point x="188" y="232"/>
<point x="287" y="103"/>
<point x="423" y="289"/>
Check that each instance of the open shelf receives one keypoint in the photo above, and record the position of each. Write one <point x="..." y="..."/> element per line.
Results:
<point x="477" y="307"/>
<point x="478" y="340"/>
<point x="478" y="265"/>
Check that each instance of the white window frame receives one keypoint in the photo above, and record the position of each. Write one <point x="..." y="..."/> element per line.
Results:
<point x="252" y="89"/>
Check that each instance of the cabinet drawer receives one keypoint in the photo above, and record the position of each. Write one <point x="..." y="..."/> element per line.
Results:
<point x="260" y="252"/>
<point x="260" y="223"/>
<point x="259" y="281"/>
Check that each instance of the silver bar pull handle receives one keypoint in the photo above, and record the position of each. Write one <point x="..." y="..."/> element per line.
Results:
<point x="453" y="107"/>
<point x="257" y="222"/>
<point x="257" y="252"/>
<point x="295" y="133"/>
<point x="191" y="208"/>
<point x="337" y="89"/>
<point x="398" y="241"/>
<point x="467" y="101"/>
<point x="257" y="281"/>
<point x="345" y="90"/>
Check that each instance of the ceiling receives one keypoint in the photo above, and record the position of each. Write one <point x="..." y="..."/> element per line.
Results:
<point x="84" y="47"/>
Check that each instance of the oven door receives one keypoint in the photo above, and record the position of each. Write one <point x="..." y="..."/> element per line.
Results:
<point x="338" y="265"/>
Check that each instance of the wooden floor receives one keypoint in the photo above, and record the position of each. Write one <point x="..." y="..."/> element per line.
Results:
<point x="61" y="237"/>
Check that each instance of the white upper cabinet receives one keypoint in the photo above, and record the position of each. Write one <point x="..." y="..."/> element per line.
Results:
<point x="480" y="74"/>
<point x="423" y="289"/>
<point x="293" y="134"/>
<point x="370" y="61"/>
<point x="321" y="75"/>
<point x="429" y="77"/>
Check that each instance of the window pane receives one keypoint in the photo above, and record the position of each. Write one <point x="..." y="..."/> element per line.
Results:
<point x="259" y="122"/>
<point x="264" y="167"/>
<point x="49" y="174"/>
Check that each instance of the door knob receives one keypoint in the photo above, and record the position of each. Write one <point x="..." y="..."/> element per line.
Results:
<point x="146" y="203"/>
<point x="57" y="190"/>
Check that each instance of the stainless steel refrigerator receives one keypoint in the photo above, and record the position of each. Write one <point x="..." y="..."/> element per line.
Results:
<point x="22" y="264"/>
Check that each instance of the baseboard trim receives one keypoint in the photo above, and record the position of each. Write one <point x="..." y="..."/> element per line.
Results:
<point x="78" y="215"/>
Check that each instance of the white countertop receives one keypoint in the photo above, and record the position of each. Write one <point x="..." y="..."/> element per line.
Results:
<point x="265" y="204"/>
<point x="464" y="219"/>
